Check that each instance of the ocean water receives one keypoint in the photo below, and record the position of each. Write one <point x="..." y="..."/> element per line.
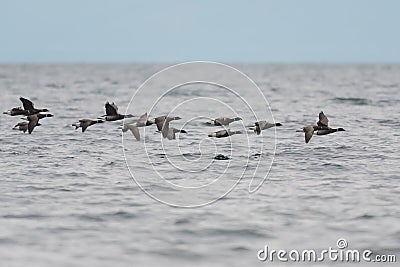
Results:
<point x="101" y="198"/>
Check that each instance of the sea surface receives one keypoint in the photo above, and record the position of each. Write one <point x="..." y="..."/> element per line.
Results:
<point x="101" y="198"/>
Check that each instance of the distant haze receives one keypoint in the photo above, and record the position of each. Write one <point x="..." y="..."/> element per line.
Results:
<point x="288" y="31"/>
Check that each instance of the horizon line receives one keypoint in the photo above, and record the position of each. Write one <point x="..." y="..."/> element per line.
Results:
<point x="164" y="62"/>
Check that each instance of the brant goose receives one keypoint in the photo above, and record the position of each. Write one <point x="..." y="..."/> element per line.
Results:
<point x="263" y="125"/>
<point x="224" y="121"/>
<point x="322" y="128"/>
<point x="16" y="112"/>
<point x="28" y="105"/>
<point x="112" y="113"/>
<point x="34" y="120"/>
<point x="28" y="109"/>
<point x="23" y="126"/>
<point x="84" y="123"/>
<point x="133" y="127"/>
<point x="162" y="123"/>
<point x="224" y="133"/>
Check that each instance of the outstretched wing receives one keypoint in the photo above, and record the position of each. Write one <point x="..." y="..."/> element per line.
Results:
<point x="135" y="132"/>
<point x="33" y="122"/>
<point x="160" y="122"/>
<point x="28" y="105"/>
<point x="309" y="130"/>
<point x="323" y="120"/>
<point x="84" y="127"/>
<point x="114" y="106"/>
<point x="111" y="109"/>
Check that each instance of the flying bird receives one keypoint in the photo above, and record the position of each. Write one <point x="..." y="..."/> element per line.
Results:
<point x="162" y="123"/>
<point x="23" y="126"/>
<point x="143" y="121"/>
<point x="263" y="125"/>
<point x="85" y="123"/>
<point x="223" y="121"/>
<point x="28" y="109"/>
<point x="224" y="133"/>
<point x="322" y="128"/>
<point x="112" y="113"/>
<point x="33" y="120"/>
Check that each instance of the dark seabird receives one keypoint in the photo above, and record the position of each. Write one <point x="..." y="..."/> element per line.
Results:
<point x="133" y="127"/>
<point x="34" y="120"/>
<point x="322" y="128"/>
<point x="162" y="123"/>
<point x="16" y="112"/>
<point x="28" y="109"/>
<point x="84" y="123"/>
<point x="224" y="121"/>
<point x="112" y="113"/>
<point x="23" y="126"/>
<point x="224" y="133"/>
<point x="28" y="105"/>
<point x="263" y="125"/>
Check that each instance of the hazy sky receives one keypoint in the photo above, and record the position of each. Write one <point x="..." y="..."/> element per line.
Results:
<point x="175" y="31"/>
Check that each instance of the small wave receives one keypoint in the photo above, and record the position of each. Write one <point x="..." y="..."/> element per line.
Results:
<point x="352" y="100"/>
<point x="76" y="174"/>
<point x="24" y="216"/>
<point x="234" y="232"/>
<point x="88" y="217"/>
<point x="330" y="164"/>
<point x="55" y="85"/>
<point x="240" y="248"/>
<point x="182" y="221"/>
<point x="121" y="214"/>
<point x="365" y="217"/>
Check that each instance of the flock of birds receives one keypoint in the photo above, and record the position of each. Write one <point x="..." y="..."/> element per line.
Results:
<point x="32" y="116"/>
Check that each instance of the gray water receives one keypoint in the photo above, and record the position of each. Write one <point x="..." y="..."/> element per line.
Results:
<point x="68" y="198"/>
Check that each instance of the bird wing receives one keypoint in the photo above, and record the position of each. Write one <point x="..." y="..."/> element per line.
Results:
<point x="33" y="121"/>
<point x="309" y="130"/>
<point x="84" y="126"/>
<point x="323" y="120"/>
<point x="160" y="122"/>
<point x="143" y="118"/>
<point x="114" y="106"/>
<point x="28" y="105"/>
<point x="171" y="133"/>
<point x="135" y="131"/>
<point x="111" y="109"/>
